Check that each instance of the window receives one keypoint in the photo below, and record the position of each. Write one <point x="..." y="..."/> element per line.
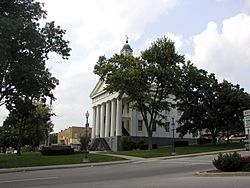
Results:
<point x="75" y="135"/>
<point x="167" y="126"/>
<point x="139" y="125"/>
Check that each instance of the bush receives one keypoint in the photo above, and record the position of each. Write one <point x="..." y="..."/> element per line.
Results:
<point x="245" y="163"/>
<point x="155" y="146"/>
<point x="57" y="150"/>
<point x="181" y="143"/>
<point x="127" y="144"/>
<point x="143" y="147"/>
<point x="228" y="162"/>
<point x="204" y="141"/>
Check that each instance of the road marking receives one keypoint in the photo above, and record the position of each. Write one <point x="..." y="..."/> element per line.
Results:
<point x="23" y="180"/>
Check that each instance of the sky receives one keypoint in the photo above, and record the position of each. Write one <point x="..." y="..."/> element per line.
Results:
<point x="213" y="34"/>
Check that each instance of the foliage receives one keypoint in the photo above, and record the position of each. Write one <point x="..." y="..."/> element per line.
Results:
<point x="197" y="101"/>
<point x="24" y="49"/>
<point x="245" y="163"/>
<point x="204" y="141"/>
<point x="127" y="144"/>
<point x="231" y="102"/>
<point x="181" y="143"/>
<point x="209" y="105"/>
<point x="57" y="150"/>
<point x="32" y="125"/>
<point x="147" y="81"/>
<point x="228" y="162"/>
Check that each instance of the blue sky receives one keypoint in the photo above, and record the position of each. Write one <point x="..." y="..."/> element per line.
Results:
<point x="213" y="34"/>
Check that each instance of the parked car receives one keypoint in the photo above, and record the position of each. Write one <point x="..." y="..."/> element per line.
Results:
<point x="236" y="138"/>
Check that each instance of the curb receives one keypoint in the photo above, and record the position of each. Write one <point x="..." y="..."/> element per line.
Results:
<point x="215" y="173"/>
<point x="125" y="161"/>
<point x="26" y="169"/>
<point x="198" y="154"/>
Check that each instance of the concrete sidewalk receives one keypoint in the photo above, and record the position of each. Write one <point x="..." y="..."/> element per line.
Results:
<point x="128" y="159"/>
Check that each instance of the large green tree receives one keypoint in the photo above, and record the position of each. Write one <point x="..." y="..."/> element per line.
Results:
<point x="146" y="81"/>
<point x="24" y="49"/>
<point x="231" y="101"/>
<point x="197" y="101"/>
<point x="209" y="105"/>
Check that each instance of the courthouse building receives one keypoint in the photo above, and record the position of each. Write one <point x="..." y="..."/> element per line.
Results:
<point x="113" y="119"/>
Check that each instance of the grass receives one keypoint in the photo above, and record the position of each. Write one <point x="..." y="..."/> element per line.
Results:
<point x="167" y="151"/>
<point x="29" y="159"/>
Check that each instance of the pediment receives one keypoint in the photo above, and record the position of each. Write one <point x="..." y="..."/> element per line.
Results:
<point x="98" y="89"/>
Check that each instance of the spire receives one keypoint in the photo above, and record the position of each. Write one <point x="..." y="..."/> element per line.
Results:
<point x="126" y="50"/>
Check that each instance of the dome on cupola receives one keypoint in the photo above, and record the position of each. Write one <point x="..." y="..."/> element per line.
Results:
<point x="126" y="50"/>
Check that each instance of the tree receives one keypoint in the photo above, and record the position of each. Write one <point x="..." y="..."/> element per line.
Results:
<point x="146" y="81"/>
<point x="24" y="49"/>
<point x="209" y="105"/>
<point x="30" y="122"/>
<point x="197" y="101"/>
<point x="231" y="102"/>
<point x="40" y="125"/>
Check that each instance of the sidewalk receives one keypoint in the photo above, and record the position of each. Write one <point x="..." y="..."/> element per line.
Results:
<point x="128" y="159"/>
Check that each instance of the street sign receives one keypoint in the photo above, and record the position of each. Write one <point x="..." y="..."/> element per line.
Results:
<point x="246" y="113"/>
<point x="247" y="119"/>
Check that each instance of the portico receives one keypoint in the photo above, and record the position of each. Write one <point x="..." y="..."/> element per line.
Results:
<point x="107" y="119"/>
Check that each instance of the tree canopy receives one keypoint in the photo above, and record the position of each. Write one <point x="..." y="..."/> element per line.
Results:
<point x="24" y="48"/>
<point x="209" y="105"/>
<point x="145" y="81"/>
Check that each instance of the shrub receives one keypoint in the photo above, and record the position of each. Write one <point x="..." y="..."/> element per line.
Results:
<point x="181" y="143"/>
<point x="127" y="144"/>
<point x="204" y="141"/>
<point x="155" y="146"/>
<point x="228" y="162"/>
<point x="143" y="147"/>
<point x="245" y="163"/>
<point x="57" y="150"/>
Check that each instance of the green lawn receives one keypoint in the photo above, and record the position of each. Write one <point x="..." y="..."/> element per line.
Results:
<point x="167" y="151"/>
<point x="29" y="159"/>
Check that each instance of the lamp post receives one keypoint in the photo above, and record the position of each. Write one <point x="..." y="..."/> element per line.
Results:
<point x="85" y="152"/>
<point x="173" y="127"/>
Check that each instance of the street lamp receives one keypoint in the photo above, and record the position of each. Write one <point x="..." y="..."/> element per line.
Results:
<point x="173" y="127"/>
<point x="85" y="152"/>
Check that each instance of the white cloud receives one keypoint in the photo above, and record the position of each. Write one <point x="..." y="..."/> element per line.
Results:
<point x="226" y="53"/>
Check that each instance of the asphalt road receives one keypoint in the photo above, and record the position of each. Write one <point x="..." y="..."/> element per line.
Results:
<point x="171" y="173"/>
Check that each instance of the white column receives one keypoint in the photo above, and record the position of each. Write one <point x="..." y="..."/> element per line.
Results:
<point x="93" y="122"/>
<point x="119" y="118"/>
<point x="97" y="130"/>
<point x="102" y="129"/>
<point x="113" y="119"/>
<point x="107" y="120"/>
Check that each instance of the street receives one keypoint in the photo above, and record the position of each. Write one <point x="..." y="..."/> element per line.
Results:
<point x="172" y="173"/>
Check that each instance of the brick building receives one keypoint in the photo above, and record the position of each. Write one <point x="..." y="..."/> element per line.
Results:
<point x="72" y="135"/>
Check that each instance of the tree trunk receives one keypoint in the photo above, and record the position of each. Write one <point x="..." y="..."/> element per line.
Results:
<point x="19" y="144"/>
<point x="213" y="138"/>
<point x="150" y="143"/>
